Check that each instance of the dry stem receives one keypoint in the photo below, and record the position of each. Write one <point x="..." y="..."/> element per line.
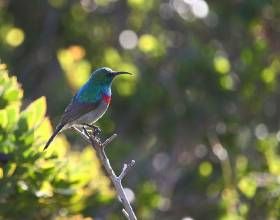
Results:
<point x="99" y="147"/>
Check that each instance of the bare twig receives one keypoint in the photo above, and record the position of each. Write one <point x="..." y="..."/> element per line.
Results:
<point x="126" y="168"/>
<point x="99" y="147"/>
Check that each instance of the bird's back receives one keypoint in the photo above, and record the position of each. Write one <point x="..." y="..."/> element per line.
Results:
<point x="89" y="93"/>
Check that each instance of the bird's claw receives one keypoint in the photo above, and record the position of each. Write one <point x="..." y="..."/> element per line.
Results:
<point x="96" y="131"/>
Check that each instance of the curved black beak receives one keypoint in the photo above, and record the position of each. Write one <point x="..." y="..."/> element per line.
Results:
<point x="121" y="72"/>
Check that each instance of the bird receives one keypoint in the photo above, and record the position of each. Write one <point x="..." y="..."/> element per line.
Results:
<point x="90" y="102"/>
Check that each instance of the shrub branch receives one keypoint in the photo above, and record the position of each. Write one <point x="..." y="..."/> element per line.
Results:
<point x="99" y="147"/>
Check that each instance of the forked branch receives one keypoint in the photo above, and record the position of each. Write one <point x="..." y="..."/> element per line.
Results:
<point x="99" y="147"/>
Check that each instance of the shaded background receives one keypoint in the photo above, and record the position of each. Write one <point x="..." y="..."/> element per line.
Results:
<point x="200" y="114"/>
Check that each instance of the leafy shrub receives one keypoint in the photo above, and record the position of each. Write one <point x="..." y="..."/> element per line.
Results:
<point x="36" y="184"/>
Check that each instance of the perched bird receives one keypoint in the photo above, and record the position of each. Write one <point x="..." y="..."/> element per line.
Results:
<point x="89" y="103"/>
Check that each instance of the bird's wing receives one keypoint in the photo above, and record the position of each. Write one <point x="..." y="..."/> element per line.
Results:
<point x="72" y="112"/>
<point x="77" y="109"/>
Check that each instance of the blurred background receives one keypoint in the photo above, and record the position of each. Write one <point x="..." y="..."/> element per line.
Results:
<point x="199" y="115"/>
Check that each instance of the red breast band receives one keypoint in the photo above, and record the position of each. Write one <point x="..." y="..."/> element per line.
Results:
<point x="106" y="98"/>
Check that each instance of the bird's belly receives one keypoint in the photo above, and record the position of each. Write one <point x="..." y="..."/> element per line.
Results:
<point x="92" y="116"/>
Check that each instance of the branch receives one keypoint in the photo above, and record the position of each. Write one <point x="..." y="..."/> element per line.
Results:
<point x="126" y="168"/>
<point x="116" y="180"/>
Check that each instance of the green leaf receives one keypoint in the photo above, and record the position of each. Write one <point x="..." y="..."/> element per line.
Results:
<point x="12" y="94"/>
<point x="248" y="186"/>
<point x="3" y="118"/>
<point x="35" y="112"/>
<point x="12" y="115"/>
<point x="22" y="126"/>
<point x="3" y="77"/>
<point x="10" y="91"/>
<point x="9" y="169"/>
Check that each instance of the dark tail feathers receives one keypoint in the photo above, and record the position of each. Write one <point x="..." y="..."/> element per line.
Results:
<point x="57" y="130"/>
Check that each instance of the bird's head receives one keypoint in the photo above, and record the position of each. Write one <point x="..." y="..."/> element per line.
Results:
<point x="105" y="75"/>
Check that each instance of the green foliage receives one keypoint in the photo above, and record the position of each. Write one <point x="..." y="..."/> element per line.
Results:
<point x="147" y="200"/>
<point x="200" y="115"/>
<point x="10" y="92"/>
<point x="36" y="184"/>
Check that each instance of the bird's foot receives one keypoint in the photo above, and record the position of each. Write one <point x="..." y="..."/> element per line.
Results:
<point x="96" y="131"/>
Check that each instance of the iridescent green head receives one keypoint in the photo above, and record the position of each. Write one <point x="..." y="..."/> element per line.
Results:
<point x="104" y="76"/>
<point x="99" y="84"/>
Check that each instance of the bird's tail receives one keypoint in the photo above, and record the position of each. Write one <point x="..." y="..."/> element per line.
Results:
<point x="57" y="130"/>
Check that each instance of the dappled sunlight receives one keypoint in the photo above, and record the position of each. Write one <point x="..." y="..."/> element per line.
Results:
<point x="191" y="9"/>
<point x="126" y="84"/>
<point x="150" y="45"/>
<point x="76" y="68"/>
<point x="221" y="64"/>
<point x="199" y="113"/>
<point x="141" y="4"/>
<point x="205" y="169"/>
<point x="270" y="73"/>
<point x="128" y="39"/>
<point x="14" y="37"/>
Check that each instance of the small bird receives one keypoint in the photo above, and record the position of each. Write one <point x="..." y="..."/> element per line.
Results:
<point x="89" y="103"/>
